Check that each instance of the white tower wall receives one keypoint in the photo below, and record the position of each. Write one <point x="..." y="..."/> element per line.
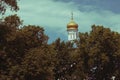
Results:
<point x="72" y="35"/>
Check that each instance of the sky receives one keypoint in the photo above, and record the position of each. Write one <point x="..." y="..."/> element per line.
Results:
<point x="53" y="15"/>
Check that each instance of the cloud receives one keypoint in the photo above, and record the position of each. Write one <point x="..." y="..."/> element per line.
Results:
<point x="112" y="5"/>
<point x="54" y="16"/>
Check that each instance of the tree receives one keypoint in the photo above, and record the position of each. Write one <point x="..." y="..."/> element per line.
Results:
<point x="7" y="34"/>
<point x="8" y="31"/>
<point x="25" y="39"/>
<point x="99" y="51"/>
<point x="13" y="21"/>
<point x="4" y="4"/>
<point x="36" y="65"/>
<point x="65" y="64"/>
<point x="8" y="27"/>
<point x="15" y="42"/>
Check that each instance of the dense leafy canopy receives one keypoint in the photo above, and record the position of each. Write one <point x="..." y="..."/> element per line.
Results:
<point x="26" y="55"/>
<point x="100" y="53"/>
<point x="4" y="4"/>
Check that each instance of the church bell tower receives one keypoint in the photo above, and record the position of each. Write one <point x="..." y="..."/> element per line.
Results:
<point x="72" y="29"/>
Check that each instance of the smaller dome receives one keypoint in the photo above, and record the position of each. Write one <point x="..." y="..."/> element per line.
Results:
<point x="72" y="24"/>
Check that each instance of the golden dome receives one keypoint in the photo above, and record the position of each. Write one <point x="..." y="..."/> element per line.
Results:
<point x="72" y="24"/>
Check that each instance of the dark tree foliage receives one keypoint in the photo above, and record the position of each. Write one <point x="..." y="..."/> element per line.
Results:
<point x="4" y="4"/>
<point x="26" y="55"/>
<point x="36" y="65"/>
<point x="65" y="65"/>
<point x="100" y="52"/>
<point x="15" y="42"/>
